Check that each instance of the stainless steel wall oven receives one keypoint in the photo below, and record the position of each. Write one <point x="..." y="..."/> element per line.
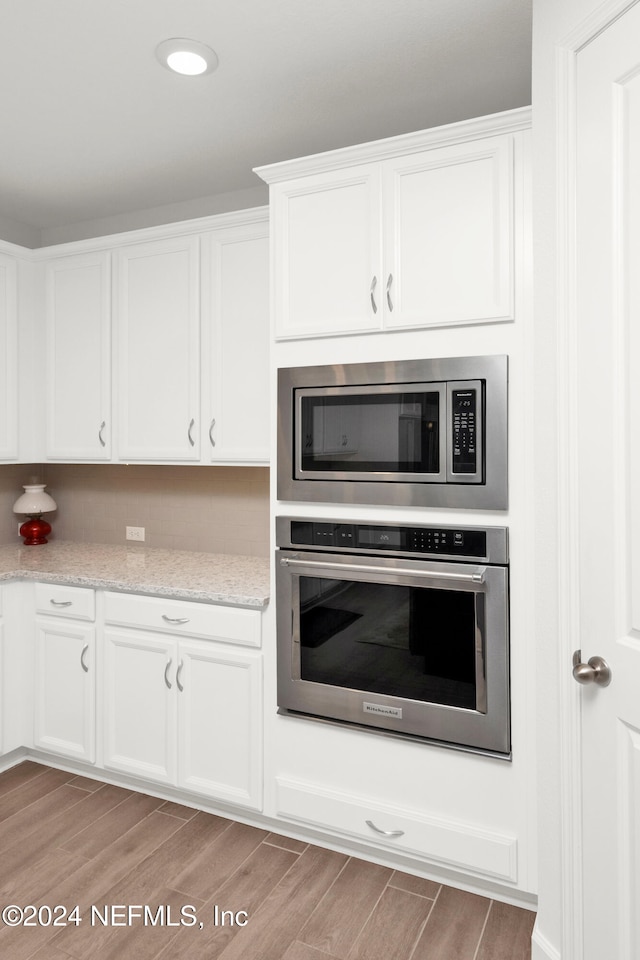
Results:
<point x="412" y="433"/>
<point x="400" y="628"/>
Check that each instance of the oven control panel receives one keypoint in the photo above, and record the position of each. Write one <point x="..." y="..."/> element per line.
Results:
<point x="460" y="542"/>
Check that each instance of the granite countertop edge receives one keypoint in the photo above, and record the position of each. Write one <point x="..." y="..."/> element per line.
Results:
<point x="228" y="579"/>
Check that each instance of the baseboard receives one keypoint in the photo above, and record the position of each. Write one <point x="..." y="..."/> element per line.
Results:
<point x="541" y="948"/>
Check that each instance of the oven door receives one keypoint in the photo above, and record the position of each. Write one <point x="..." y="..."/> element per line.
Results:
<point x="412" y="647"/>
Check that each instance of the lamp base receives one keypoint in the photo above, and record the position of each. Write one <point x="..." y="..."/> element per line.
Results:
<point x="35" y="530"/>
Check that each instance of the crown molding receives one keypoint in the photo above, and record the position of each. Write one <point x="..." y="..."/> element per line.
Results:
<point x="510" y="121"/>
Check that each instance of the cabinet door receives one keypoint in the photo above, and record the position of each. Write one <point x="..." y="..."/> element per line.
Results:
<point x="220" y="713"/>
<point x="327" y="253"/>
<point x="448" y="235"/>
<point x="8" y="360"/>
<point x="237" y="352"/>
<point x="78" y="318"/>
<point x="157" y="327"/>
<point x="65" y="689"/>
<point x="140" y="704"/>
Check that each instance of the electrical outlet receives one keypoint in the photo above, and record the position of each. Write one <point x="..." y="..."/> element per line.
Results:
<point x="135" y="533"/>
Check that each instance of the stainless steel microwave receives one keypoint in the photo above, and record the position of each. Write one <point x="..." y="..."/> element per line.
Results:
<point x="412" y="433"/>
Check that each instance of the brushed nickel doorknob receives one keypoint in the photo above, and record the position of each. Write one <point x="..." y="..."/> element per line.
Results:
<point x="596" y="670"/>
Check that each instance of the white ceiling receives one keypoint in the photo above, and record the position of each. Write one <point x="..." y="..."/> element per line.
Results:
<point x="93" y="126"/>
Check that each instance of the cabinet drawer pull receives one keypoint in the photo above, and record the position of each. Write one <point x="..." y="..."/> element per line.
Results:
<point x="191" y="440"/>
<point x="100" y="432"/>
<point x="175" y="619"/>
<point x="384" y="833"/>
<point x="178" y="678"/>
<point x="211" y="426"/>
<point x="389" y="300"/>
<point x="85" y="650"/>
<point x="166" y="674"/>
<point x="374" y="305"/>
<point x="61" y="603"/>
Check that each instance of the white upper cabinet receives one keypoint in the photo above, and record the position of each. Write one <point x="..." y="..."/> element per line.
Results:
<point x="157" y="350"/>
<point x="236" y="344"/>
<point x="448" y="235"/>
<point x="8" y="359"/>
<point x="327" y="253"/>
<point x="78" y="349"/>
<point x="420" y="235"/>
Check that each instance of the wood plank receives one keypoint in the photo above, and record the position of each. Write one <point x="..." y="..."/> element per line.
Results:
<point x="287" y="843"/>
<point x="393" y="928"/>
<point x="34" y="789"/>
<point x="20" y="774"/>
<point x="301" y="951"/>
<point x="177" y="810"/>
<point x="339" y="918"/>
<point x="31" y="884"/>
<point x="211" y="867"/>
<point x="114" y="824"/>
<point x="276" y="924"/>
<point x="454" y="927"/>
<point x="244" y="891"/>
<point x="419" y="885"/>
<point x="507" y="935"/>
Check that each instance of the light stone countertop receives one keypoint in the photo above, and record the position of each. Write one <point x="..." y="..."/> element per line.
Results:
<point x="185" y="575"/>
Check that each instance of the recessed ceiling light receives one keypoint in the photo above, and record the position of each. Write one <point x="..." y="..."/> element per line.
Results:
<point x="188" y="57"/>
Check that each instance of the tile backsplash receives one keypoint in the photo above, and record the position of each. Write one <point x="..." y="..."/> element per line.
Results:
<point x="214" y="509"/>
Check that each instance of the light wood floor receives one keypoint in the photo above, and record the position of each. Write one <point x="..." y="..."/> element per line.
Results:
<point x="67" y="840"/>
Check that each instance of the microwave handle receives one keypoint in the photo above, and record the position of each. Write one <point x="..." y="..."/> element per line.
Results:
<point x="336" y="569"/>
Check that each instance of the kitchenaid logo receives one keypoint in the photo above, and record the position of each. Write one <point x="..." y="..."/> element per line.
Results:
<point x="382" y="710"/>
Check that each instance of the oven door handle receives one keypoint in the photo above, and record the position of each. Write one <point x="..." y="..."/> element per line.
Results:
<point x="337" y="568"/>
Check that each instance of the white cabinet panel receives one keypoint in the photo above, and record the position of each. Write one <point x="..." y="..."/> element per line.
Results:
<point x="8" y="359"/>
<point x="327" y="253"/>
<point x="157" y="331"/>
<point x="140" y="705"/>
<point x="220" y="724"/>
<point x="60" y="600"/>
<point x="236" y="355"/>
<point x="448" y="235"/>
<point x="65" y="689"/>
<point x="78" y="350"/>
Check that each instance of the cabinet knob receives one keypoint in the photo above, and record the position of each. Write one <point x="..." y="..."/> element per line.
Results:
<point x="100" y="434"/>
<point x="167" y="682"/>
<point x="191" y="440"/>
<point x="211" y="426"/>
<point x="374" y="305"/>
<point x="389" y="300"/>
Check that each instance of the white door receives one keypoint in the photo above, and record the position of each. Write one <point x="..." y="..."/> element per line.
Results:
<point x="78" y="318"/>
<point x="607" y="323"/>
<point x="448" y="237"/>
<point x="327" y="256"/>
<point x="157" y="335"/>
<point x="220" y="713"/>
<point x="65" y="689"/>
<point x="140" y="671"/>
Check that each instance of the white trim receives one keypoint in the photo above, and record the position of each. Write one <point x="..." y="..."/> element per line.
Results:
<point x="510" y="121"/>
<point x="179" y="228"/>
<point x="541" y="948"/>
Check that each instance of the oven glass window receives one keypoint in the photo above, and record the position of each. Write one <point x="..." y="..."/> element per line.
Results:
<point x="411" y="642"/>
<point x="371" y="432"/>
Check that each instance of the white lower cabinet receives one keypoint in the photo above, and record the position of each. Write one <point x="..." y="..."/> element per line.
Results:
<point x="180" y="711"/>
<point x="65" y="709"/>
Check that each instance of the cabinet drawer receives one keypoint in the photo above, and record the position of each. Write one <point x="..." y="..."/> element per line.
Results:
<point x="184" y="618"/>
<point x="78" y="603"/>
<point x="452" y="843"/>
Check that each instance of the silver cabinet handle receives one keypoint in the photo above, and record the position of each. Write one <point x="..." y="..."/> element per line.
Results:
<point x="372" y="291"/>
<point x="191" y="440"/>
<point x="211" y="426"/>
<point x="85" y="650"/>
<point x="100" y="432"/>
<point x="389" y="300"/>
<point x="175" y="619"/>
<point x="384" y="833"/>
<point x="61" y="603"/>
<point x="178" y="673"/>
<point x="338" y="568"/>
<point x="167" y="682"/>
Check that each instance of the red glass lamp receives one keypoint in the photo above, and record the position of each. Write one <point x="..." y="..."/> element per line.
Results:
<point x="34" y="502"/>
